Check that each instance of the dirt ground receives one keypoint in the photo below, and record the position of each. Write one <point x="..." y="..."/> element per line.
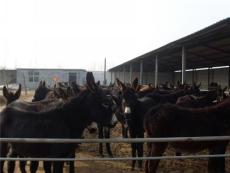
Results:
<point x="124" y="150"/>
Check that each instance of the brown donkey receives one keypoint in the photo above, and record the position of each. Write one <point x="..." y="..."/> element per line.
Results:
<point x="174" y="121"/>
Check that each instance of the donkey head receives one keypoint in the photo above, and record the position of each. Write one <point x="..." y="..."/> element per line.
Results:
<point x="10" y="96"/>
<point x="98" y="103"/>
<point x="129" y="101"/>
<point x="41" y="91"/>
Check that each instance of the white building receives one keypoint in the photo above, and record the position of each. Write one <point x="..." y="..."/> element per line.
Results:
<point x="30" y="78"/>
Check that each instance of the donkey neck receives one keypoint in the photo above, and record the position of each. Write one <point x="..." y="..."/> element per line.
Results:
<point x="77" y="106"/>
<point x="142" y="106"/>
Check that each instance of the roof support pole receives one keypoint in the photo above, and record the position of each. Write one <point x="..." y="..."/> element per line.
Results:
<point x="183" y="76"/>
<point x="104" y="81"/>
<point x="111" y="77"/>
<point x="212" y="73"/>
<point x="130" y="73"/>
<point x="123" y="74"/>
<point x="156" y="71"/>
<point x="141" y="72"/>
<point x="193" y="75"/>
<point x="229" y="76"/>
<point x="209" y="69"/>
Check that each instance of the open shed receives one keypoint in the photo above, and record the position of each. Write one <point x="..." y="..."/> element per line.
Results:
<point x="207" y="48"/>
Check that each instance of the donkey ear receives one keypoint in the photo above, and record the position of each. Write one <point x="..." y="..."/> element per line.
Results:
<point x="90" y="79"/>
<point x="44" y="83"/>
<point x="225" y="88"/>
<point x="18" y="92"/>
<point x="120" y="85"/>
<point x="135" y="84"/>
<point x="40" y="83"/>
<point x="5" y="92"/>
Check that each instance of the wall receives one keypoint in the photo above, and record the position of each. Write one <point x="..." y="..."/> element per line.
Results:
<point x="216" y="75"/>
<point x="148" y="77"/>
<point x="7" y="76"/>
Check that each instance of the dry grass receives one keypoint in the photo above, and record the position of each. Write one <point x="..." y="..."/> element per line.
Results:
<point x="124" y="150"/>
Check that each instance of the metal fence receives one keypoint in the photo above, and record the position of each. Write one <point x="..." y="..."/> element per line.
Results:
<point x="117" y="140"/>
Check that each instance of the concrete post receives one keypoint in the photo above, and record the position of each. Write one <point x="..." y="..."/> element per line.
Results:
<point x="130" y="73"/>
<point x="183" y="70"/>
<point x="141" y="72"/>
<point x="124" y="74"/>
<point x="156" y="71"/>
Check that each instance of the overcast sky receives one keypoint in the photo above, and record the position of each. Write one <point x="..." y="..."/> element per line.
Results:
<point x="81" y="33"/>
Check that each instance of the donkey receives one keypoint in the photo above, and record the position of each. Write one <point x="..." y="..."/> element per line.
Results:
<point x="38" y="106"/>
<point x="104" y="132"/>
<point x="134" y="108"/>
<point x="174" y="121"/>
<point x="60" y="122"/>
<point x="50" y="101"/>
<point x="172" y="97"/>
<point x="197" y="102"/>
<point x="45" y="99"/>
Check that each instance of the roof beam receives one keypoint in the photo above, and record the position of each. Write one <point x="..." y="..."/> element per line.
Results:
<point x="205" y="58"/>
<point x="218" y="49"/>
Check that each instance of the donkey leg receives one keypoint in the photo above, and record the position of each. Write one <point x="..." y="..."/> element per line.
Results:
<point x="58" y="167"/>
<point x="100" y="136"/>
<point x="157" y="149"/>
<point x="22" y="165"/>
<point x="47" y="166"/>
<point x="140" y="151"/>
<point x="140" y="154"/>
<point x="134" y="149"/>
<point x="217" y="165"/>
<point x="3" y="153"/>
<point x="107" y="136"/>
<point x="71" y="167"/>
<point x="149" y="147"/>
<point x="71" y="163"/>
<point x="11" y="164"/>
<point x="33" y="166"/>
<point x="124" y="131"/>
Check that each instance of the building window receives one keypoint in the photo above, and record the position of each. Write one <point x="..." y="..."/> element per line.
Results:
<point x="72" y="77"/>
<point x="33" y="76"/>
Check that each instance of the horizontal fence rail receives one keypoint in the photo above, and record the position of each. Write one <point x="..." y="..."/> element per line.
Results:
<point x="116" y="140"/>
<point x="117" y="158"/>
